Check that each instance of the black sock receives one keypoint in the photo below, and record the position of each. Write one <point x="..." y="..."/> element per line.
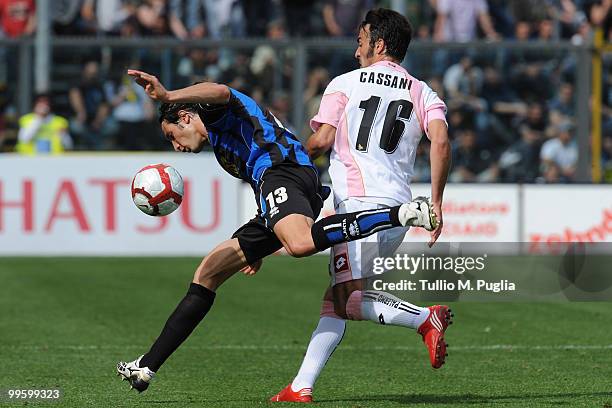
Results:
<point x="189" y="312"/>
<point x="338" y="228"/>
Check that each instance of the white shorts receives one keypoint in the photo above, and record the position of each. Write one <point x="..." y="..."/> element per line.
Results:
<point x="346" y="258"/>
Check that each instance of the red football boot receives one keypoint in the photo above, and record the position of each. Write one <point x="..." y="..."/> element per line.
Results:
<point x="288" y="395"/>
<point x="433" y="330"/>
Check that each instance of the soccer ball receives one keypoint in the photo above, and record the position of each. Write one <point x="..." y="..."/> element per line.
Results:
<point x="157" y="189"/>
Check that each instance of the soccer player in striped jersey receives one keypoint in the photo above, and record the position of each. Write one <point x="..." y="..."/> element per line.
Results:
<point x="372" y="119"/>
<point x="252" y="145"/>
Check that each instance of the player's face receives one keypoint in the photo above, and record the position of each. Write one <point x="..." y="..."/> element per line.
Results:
<point x="364" y="52"/>
<point x="187" y="135"/>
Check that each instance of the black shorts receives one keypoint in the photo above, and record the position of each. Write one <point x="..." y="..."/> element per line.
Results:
<point x="282" y="190"/>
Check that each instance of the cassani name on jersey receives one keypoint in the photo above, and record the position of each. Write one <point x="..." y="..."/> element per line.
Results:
<point x="380" y="78"/>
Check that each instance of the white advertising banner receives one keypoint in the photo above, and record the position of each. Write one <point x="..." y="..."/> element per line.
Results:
<point x="82" y="205"/>
<point x="474" y="213"/>
<point x="567" y="213"/>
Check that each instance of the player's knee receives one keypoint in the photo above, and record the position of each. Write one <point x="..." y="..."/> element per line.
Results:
<point x="202" y="276"/>
<point x="328" y="310"/>
<point x="207" y="275"/>
<point x="299" y="248"/>
<point x="340" y="310"/>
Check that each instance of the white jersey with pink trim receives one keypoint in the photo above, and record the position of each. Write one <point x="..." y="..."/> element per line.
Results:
<point x="380" y="113"/>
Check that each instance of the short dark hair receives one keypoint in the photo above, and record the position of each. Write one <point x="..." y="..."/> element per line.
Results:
<point x="391" y="27"/>
<point x="169" y="111"/>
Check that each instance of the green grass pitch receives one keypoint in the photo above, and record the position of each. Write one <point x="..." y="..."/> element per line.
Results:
<point x="65" y="322"/>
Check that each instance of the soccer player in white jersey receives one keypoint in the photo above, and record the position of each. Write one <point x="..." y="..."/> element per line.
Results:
<point x="373" y="119"/>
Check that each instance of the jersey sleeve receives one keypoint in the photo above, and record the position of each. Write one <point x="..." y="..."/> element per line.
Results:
<point x="433" y="107"/>
<point x="332" y="105"/>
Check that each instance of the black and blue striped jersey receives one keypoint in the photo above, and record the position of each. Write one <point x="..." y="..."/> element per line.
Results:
<point x="247" y="139"/>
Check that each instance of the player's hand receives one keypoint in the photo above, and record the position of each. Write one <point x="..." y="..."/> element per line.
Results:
<point x="435" y="234"/>
<point x="151" y="85"/>
<point x="251" y="270"/>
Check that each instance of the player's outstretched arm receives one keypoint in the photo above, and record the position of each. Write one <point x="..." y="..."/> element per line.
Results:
<point x="440" y="159"/>
<point x="321" y="141"/>
<point x="205" y="92"/>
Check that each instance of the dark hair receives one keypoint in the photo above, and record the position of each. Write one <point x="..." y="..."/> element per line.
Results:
<point x="169" y="111"/>
<point x="391" y="27"/>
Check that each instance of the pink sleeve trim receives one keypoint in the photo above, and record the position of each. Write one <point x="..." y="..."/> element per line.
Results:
<point x="437" y="112"/>
<point x="330" y="110"/>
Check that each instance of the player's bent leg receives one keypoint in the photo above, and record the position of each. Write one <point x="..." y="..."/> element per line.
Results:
<point x="301" y="236"/>
<point x="351" y="226"/>
<point x="386" y="309"/>
<point x="325" y="338"/>
<point x="225" y="260"/>
<point x="293" y="231"/>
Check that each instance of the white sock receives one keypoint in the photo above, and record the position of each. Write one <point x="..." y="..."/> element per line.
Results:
<point x="323" y="342"/>
<point x="384" y="308"/>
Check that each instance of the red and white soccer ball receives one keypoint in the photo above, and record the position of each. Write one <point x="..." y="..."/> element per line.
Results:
<point x="157" y="189"/>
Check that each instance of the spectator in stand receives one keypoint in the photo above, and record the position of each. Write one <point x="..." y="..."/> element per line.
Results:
<point x="342" y="17"/>
<point x="522" y="31"/>
<point x="562" y="105"/>
<point x="265" y="58"/>
<point x="133" y="112"/>
<point x="318" y="79"/>
<point x="238" y="75"/>
<point x="546" y="30"/>
<point x="107" y="15"/>
<point x="187" y="19"/>
<point x="153" y="17"/>
<point x="520" y="163"/>
<point x="41" y="131"/>
<point x="198" y="65"/>
<point x="224" y="18"/>
<point x="422" y="168"/>
<point x="502" y="17"/>
<point x="457" y="77"/>
<point x="561" y="151"/>
<point x="67" y="19"/>
<point x="280" y="108"/>
<point x="257" y="15"/>
<point x="471" y="164"/>
<point x="17" y="17"/>
<point x="297" y="15"/>
<point x="598" y="12"/>
<point x="568" y="15"/>
<point x="92" y="125"/>
<point x="535" y="121"/>
<point x="457" y="20"/>
<point x="551" y="174"/>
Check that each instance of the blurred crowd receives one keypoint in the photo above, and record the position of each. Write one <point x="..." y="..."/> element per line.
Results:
<point x="511" y="112"/>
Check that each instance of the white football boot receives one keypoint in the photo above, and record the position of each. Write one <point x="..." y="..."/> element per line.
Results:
<point x="418" y="213"/>
<point x="139" y="377"/>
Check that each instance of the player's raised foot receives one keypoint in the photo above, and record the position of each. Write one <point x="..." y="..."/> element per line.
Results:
<point x="433" y="330"/>
<point x="418" y="213"/>
<point x="138" y="377"/>
<point x="288" y="395"/>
